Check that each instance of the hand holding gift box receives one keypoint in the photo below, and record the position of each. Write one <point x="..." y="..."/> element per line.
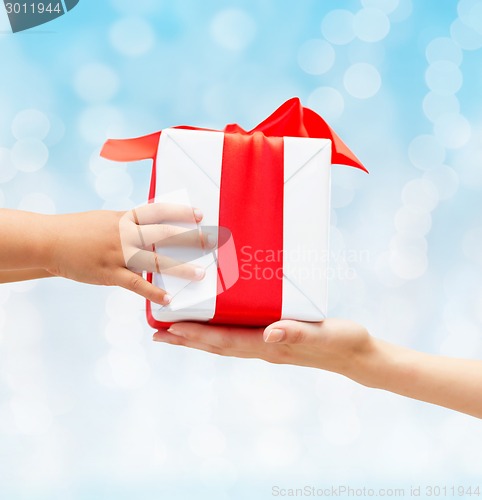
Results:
<point x="266" y="192"/>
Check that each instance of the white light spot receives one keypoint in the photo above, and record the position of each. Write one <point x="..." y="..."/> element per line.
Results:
<point x="341" y="429"/>
<point x="37" y="202"/>
<point x="29" y="155"/>
<point x="277" y="447"/>
<point x="3" y="318"/>
<point x="328" y="102"/>
<point x="402" y="11"/>
<point x="96" y="82"/>
<point x="337" y="26"/>
<point x="137" y="7"/>
<point x="408" y="258"/>
<point x="207" y="441"/>
<point x="367" y="52"/>
<point x="316" y="57"/>
<point x="453" y="130"/>
<point x="445" y="179"/>
<point x="98" y="123"/>
<point x="443" y="49"/>
<point x="472" y="244"/>
<point x="132" y="36"/>
<point x="420" y="193"/>
<point x="412" y="221"/>
<point x="470" y="12"/>
<point x="123" y="304"/>
<point x="444" y="77"/>
<point x="218" y="473"/>
<point x="31" y="415"/>
<point x="464" y="9"/>
<point x="426" y="152"/>
<point x="128" y="370"/>
<point x="435" y="105"/>
<point x="2" y="199"/>
<point x="56" y="132"/>
<point x="468" y="164"/>
<point x="123" y="332"/>
<point x="386" y="6"/>
<point x="112" y="185"/>
<point x="465" y="36"/>
<point x="7" y="169"/>
<point x="362" y="80"/>
<point x="30" y="124"/>
<point x="233" y="29"/>
<point x="371" y="25"/>
<point x="341" y="196"/>
<point x="384" y="272"/>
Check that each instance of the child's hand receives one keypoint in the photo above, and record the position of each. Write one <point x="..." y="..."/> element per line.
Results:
<point x="113" y="248"/>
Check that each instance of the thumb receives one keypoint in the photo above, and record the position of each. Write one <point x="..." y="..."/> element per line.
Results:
<point x="291" y="332"/>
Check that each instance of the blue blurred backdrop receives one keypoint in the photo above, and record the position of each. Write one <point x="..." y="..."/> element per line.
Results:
<point x="90" y="408"/>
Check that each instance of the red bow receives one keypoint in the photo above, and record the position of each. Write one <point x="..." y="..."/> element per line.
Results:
<point x="291" y="120"/>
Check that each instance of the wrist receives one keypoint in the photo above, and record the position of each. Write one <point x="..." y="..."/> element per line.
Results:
<point x="47" y="236"/>
<point x="385" y="366"/>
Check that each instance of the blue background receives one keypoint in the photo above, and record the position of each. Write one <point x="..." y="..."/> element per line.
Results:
<point x="90" y="408"/>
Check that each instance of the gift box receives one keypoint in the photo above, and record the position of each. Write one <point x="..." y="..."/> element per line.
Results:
<point x="266" y="195"/>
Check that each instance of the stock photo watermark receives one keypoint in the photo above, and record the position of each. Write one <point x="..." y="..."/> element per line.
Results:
<point x="301" y="262"/>
<point x="26" y="15"/>
<point x="175" y="249"/>
<point x="349" y="491"/>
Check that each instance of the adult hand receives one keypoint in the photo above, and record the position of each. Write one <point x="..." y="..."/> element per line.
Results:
<point x="334" y="344"/>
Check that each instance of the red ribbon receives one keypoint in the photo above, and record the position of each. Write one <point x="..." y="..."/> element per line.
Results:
<point x="251" y="202"/>
<point x="251" y="207"/>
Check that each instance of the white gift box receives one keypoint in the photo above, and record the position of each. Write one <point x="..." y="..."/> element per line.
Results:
<point x="189" y="166"/>
<point x="266" y="195"/>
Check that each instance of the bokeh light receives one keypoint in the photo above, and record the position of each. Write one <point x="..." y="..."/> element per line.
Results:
<point x="90" y="407"/>
<point x="316" y="57"/>
<point x="362" y="80"/>
<point x="29" y="155"/>
<point x="444" y="77"/>
<point x="371" y="25"/>
<point x="30" y="124"/>
<point x="132" y="36"/>
<point x="233" y="29"/>
<point x="96" y="82"/>
<point x="337" y="27"/>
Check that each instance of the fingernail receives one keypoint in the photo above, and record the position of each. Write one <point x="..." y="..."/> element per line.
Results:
<point x="199" y="272"/>
<point x="198" y="214"/>
<point x="274" y="335"/>
<point x="167" y="299"/>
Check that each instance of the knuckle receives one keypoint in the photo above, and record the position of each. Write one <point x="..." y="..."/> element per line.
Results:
<point x="297" y="336"/>
<point x="136" y="283"/>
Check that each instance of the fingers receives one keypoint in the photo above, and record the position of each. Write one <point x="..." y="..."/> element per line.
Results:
<point x="156" y="213"/>
<point x="164" y="235"/>
<point x="292" y="332"/>
<point x="142" y="260"/>
<point x="221" y="337"/>
<point x="169" y="338"/>
<point x="135" y="283"/>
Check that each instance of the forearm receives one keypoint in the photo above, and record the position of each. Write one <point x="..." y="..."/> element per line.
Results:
<point x="25" y="240"/>
<point x="450" y="382"/>
<point x="23" y="275"/>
